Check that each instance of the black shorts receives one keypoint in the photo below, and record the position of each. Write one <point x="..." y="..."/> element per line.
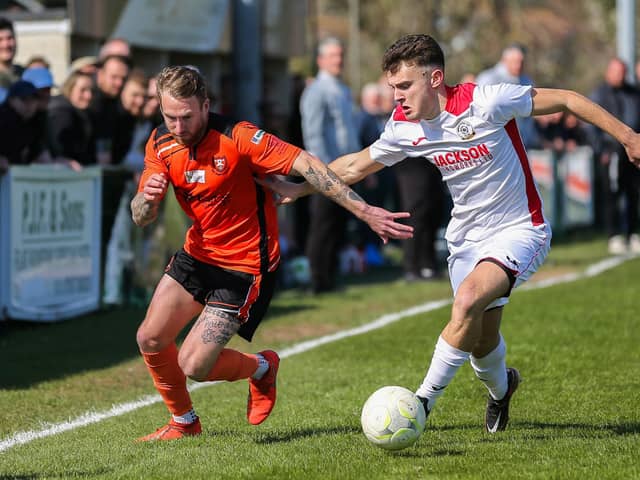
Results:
<point x="242" y="294"/>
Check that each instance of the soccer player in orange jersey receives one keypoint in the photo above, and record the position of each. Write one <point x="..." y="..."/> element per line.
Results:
<point x="225" y="273"/>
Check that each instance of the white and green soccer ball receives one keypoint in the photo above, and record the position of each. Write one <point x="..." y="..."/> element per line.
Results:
<point x="393" y="418"/>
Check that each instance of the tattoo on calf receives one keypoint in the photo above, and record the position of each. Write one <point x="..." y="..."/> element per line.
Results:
<point x="218" y="326"/>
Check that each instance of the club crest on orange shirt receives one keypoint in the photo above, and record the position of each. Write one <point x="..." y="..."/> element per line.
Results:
<point x="220" y="165"/>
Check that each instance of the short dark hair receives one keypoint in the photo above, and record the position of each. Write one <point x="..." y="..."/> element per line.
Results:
<point x="418" y="49"/>
<point x="6" y="24"/>
<point x="182" y="82"/>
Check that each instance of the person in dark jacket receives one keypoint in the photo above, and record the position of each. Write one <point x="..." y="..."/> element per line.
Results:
<point x="618" y="180"/>
<point x="69" y="129"/>
<point x="18" y="137"/>
<point x="110" y="77"/>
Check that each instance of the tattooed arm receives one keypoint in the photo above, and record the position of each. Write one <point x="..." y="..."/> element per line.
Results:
<point x="144" y="206"/>
<point x="348" y="169"/>
<point x="333" y="183"/>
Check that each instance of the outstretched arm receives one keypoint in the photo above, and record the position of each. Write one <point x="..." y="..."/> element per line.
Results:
<point x="548" y="100"/>
<point x="349" y="169"/>
<point x="144" y="206"/>
<point x="334" y="185"/>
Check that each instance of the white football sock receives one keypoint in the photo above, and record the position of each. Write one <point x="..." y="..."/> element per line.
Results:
<point x="188" y="417"/>
<point x="445" y="363"/>
<point x="263" y="367"/>
<point x="492" y="370"/>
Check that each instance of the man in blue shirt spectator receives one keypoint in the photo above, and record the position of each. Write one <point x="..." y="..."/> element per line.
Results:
<point x="510" y="69"/>
<point x="329" y="131"/>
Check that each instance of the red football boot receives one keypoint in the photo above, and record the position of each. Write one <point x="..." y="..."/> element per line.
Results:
<point x="262" y="393"/>
<point x="173" y="431"/>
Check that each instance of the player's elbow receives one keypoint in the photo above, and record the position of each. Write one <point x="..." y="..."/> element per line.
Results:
<point x="352" y="174"/>
<point x="346" y="169"/>
<point x="355" y="166"/>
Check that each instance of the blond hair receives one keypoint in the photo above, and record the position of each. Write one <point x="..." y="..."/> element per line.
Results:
<point x="182" y="82"/>
<point x="71" y="81"/>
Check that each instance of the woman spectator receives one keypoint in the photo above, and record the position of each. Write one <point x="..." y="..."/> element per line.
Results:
<point x="69" y="128"/>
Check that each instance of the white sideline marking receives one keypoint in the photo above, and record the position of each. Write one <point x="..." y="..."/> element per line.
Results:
<point x="21" y="438"/>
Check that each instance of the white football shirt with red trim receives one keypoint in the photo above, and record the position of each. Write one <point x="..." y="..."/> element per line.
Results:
<point x="476" y="145"/>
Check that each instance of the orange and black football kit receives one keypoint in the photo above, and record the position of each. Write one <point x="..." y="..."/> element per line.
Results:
<point x="231" y="251"/>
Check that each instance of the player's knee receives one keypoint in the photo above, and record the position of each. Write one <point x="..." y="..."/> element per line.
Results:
<point x="150" y="342"/>
<point x="466" y="303"/>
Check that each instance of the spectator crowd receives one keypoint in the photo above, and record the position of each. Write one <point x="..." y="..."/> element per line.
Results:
<point x="104" y="110"/>
<point x="101" y="114"/>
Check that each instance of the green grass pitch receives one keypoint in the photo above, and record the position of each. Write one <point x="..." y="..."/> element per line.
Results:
<point x="575" y="415"/>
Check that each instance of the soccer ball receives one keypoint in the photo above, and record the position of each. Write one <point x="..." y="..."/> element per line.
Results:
<point x="393" y="418"/>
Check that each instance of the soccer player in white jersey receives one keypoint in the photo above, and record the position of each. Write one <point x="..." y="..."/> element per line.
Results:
<point x="498" y="235"/>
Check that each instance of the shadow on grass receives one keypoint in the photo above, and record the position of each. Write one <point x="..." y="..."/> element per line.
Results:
<point x="280" y="437"/>
<point x="33" y="352"/>
<point x="624" y="428"/>
<point x="411" y="452"/>
<point x="36" y="352"/>
<point x="66" y="474"/>
<point x="547" y="430"/>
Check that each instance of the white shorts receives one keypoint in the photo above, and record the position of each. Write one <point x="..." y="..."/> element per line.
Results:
<point x="518" y="250"/>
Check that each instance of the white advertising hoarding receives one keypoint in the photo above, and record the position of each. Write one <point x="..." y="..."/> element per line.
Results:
<point x="578" y="205"/>
<point x="50" y="255"/>
<point x="565" y="181"/>
<point x="542" y="162"/>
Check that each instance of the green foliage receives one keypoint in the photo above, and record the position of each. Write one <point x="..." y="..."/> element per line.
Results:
<point x="569" y="43"/>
